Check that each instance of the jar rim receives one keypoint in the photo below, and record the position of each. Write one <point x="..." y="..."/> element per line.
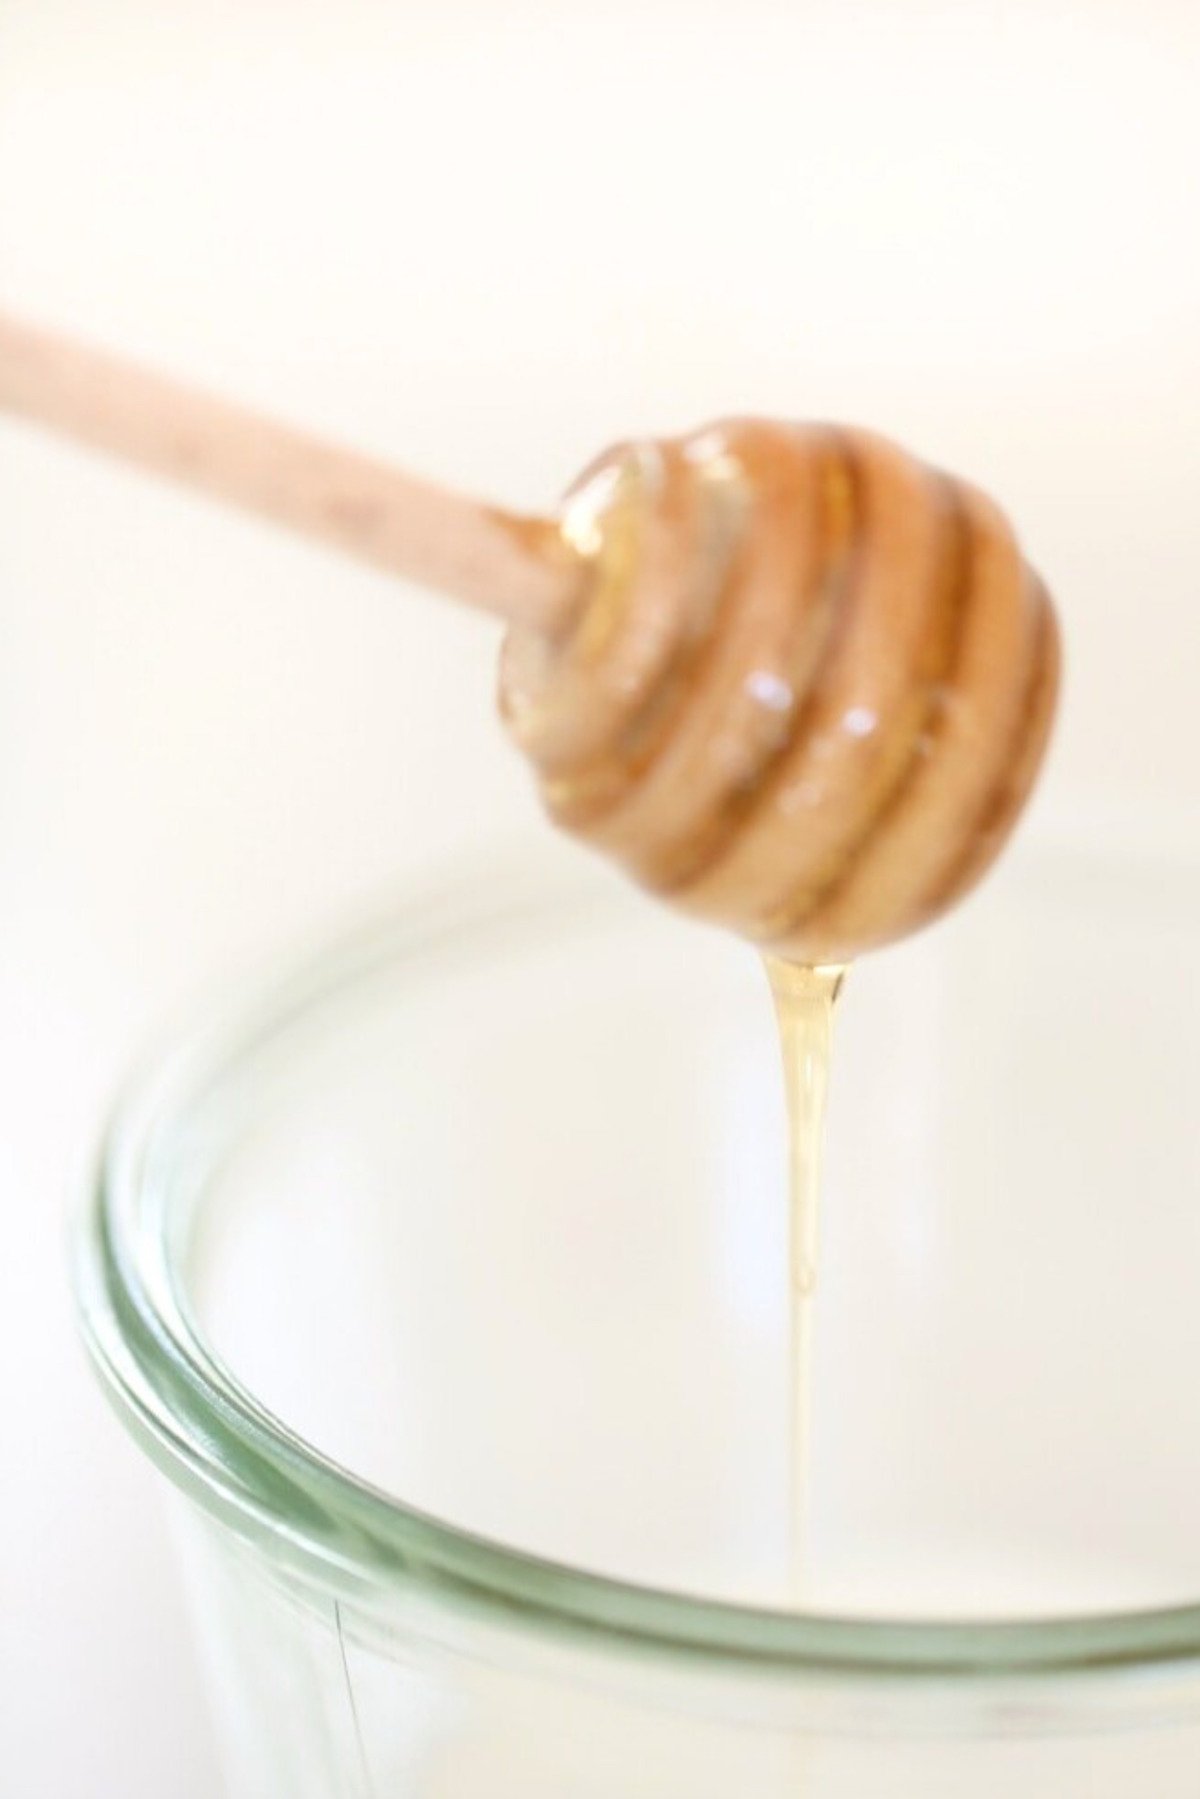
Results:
<point x="247" y="1469"/>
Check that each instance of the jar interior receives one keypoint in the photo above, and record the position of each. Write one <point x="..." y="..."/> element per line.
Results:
<point x="501" y="1231"/>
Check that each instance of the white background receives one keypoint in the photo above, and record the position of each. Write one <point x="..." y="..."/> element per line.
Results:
<point x="485" y="240"/>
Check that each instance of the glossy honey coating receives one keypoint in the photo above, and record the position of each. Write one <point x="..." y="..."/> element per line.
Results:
<point x="807" y="691"/>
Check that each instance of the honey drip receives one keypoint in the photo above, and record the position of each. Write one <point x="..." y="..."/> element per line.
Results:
<point x="805" y="998"/>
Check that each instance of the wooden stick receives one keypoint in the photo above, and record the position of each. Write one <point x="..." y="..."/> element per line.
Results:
<point x="520" y="568"/>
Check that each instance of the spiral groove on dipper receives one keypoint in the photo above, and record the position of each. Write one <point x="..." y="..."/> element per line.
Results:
<point x="809" y="688"/>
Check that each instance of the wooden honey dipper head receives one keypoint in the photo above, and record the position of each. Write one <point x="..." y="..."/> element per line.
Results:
<point x="807" y="688"/>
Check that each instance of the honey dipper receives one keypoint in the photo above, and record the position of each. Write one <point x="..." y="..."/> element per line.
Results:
<point x="791" y="678"/>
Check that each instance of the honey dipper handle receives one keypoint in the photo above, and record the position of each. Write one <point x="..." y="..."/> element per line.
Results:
<point x="519" y="568"/>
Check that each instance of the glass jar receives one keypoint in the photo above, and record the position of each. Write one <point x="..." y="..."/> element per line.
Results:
<point x="447" y="1290"/>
